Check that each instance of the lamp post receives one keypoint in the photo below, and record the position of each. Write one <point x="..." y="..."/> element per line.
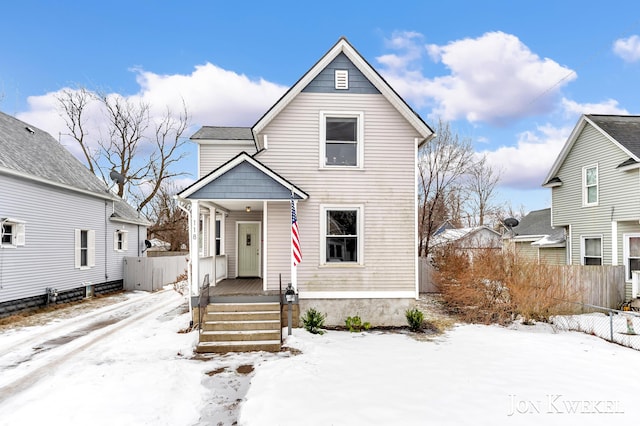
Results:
<point x="290" y="297"/>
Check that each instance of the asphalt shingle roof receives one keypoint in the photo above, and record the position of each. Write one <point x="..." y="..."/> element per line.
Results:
<point x="33" y="152"/>
<point x="537" y="222"/>
<point x="623" y="128"/>
<point x="224" y="133"/>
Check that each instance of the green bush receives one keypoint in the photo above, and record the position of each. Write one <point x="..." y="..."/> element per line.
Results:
<point x="414" y="318"/>
<point x="355" y="324"/>
<point x="313" y="320"/>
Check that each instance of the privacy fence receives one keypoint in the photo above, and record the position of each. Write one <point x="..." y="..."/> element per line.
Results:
<point x="153" y="273"/>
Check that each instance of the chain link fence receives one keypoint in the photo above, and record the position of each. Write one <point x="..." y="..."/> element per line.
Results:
<point x="622" y="327"/>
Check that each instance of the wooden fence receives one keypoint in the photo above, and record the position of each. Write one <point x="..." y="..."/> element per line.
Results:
<point x="152" y="273"/>
<point x="594" y="285"/>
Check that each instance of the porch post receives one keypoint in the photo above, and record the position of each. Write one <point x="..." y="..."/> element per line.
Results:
<point x="265" y="227"/>
<point x="194" y="249"/>
<point x="294" y="268"/>
<point x="212" y="245"/>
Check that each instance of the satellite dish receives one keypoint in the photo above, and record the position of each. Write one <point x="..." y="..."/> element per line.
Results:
<point x="511" y="222"/>
<point x="147" y="244"/>
<point x="116" y="177"/>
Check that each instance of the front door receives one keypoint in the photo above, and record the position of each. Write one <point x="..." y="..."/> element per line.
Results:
<point x="249" y="249"/>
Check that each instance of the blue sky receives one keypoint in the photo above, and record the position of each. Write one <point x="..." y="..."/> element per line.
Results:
<point x="513" y="77"/>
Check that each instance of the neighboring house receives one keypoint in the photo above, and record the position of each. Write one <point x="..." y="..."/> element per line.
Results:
<point x="535" y="238"/>
<point x="466" y="240"/>
<point x="595" y="192"/>
<point x="343" y="145"/>
<point x="60" y="227"/>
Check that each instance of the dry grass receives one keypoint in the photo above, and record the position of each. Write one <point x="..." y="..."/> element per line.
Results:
<point x="499" y="287"/>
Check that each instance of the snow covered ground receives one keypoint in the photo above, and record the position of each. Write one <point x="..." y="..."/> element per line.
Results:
<point x="129" y="364"/>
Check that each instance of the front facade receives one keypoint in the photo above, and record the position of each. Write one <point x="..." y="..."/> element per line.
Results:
<point x="343" y="146"/>
<point x="60" y="227"/>
<point x="595" y="187"/>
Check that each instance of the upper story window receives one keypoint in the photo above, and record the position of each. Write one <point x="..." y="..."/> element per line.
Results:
<point x="341" y="141"/>
<point x="12" y="233"/>
<point x="591" y="248"/>
<point x="590" y="185"/>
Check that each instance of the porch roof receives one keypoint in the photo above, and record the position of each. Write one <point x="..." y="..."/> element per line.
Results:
<point x="242" y="178"/>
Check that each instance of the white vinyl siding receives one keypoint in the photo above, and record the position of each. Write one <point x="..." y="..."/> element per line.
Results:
<point x="385" y="187"/>
<point x="85" y="248"/>
<point x="213" y="155"/>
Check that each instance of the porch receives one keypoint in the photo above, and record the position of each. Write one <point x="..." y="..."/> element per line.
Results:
<point x="241" y="287"/>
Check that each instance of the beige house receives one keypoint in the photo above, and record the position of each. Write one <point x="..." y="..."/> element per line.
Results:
<point x="340" y="143"/>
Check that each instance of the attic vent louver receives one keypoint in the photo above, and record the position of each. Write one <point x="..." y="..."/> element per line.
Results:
<point x="342" y="79"/>
<point x="30" y="130"/>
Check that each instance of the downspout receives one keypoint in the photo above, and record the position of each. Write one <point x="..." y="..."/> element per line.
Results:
<point x="106" y="276"/>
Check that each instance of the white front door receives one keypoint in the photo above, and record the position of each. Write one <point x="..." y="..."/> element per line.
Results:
<point x="249" y="249"/>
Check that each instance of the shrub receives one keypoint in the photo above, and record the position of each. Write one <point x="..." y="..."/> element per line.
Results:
<point x="355" y="324"/>
<point x="313" y="321"/>
<point x="414" y="318"/>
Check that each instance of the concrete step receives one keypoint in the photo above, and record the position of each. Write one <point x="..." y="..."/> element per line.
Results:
<point x="239" y="335"/>
<point x="242" y="316"/>
<point x="235" y="346"/>
<point x="243" y="307"/>
<point x="241" y="325"/>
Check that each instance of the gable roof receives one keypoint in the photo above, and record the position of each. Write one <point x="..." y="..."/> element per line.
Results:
<point x="343" y="46"/>
<point x="536" y="223"/>
<point x="30" y="153"/>
<point x="236" y="163"/>
<point x="622" y="130"/>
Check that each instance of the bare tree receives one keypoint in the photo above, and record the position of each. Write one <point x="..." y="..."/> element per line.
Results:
<point x="481" y="181"/>
<point x="74" y="104"/>
<point x="442" y="163"/>
<point x="140" y="149"/>
<point x="170" y="222"/>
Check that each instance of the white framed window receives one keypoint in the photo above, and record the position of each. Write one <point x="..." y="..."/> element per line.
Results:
<point x="631" y="253"/>
<point x="591" y="249"/>
<point x="341" y="79"/>
<point x="12" y="233"/>
<point x="218" y="236"/>
<point x="341" y="139"/>
<point x="120" y="240"/>
<point x="342" y="235"/>
<point x="85" y="248"/>
<point x="590" y="185"/>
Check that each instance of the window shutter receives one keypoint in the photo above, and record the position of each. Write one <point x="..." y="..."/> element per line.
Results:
<point x="91" y="248"/>
<point x="20" y="234"/>
<point x="125" y="241"/>
<point x="115" y="240"/>
<point x="77" y="248"/>
<point x="341" y="79"/>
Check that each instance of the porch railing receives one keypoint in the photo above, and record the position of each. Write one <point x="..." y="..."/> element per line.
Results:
<point x="203" y="300"/>
<point x="206" y="267"/>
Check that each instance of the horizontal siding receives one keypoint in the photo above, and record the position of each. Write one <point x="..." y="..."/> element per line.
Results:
<point x="618" y="192"/>
<point x="553" y="255"/>
<point x="385" y="187"/>
<point x="47" y="259"/>
<point x="211" y="156"/>
<point x="279" y="244"/>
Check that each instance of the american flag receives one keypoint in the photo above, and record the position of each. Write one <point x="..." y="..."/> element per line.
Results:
<point x="295" y="236"/>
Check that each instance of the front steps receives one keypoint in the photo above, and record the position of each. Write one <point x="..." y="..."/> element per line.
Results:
<point x="241" y="327"/>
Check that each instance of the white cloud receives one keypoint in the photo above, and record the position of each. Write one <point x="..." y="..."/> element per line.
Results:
<point x="213" y="96"/>
<point x="610" y="106"/>
<point x="494" y="78"/>
<point x="628" y="48"/>
<point x="525" y="165"/>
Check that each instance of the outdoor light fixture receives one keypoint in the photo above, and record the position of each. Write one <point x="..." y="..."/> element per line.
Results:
<point x="290" y="297"/>
<point x="248" y="209"/>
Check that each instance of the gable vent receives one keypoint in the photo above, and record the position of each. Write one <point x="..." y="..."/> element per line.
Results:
<point x="342" y="79"/>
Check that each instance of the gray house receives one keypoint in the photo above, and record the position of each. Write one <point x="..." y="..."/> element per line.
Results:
<point x="341" y="148"/>
<point x="535" y="238"/>
<point x="595" y="192"/>
<point x="62" y="231"/>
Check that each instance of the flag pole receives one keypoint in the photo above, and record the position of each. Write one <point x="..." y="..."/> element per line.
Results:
<point x="294" y="267"/>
